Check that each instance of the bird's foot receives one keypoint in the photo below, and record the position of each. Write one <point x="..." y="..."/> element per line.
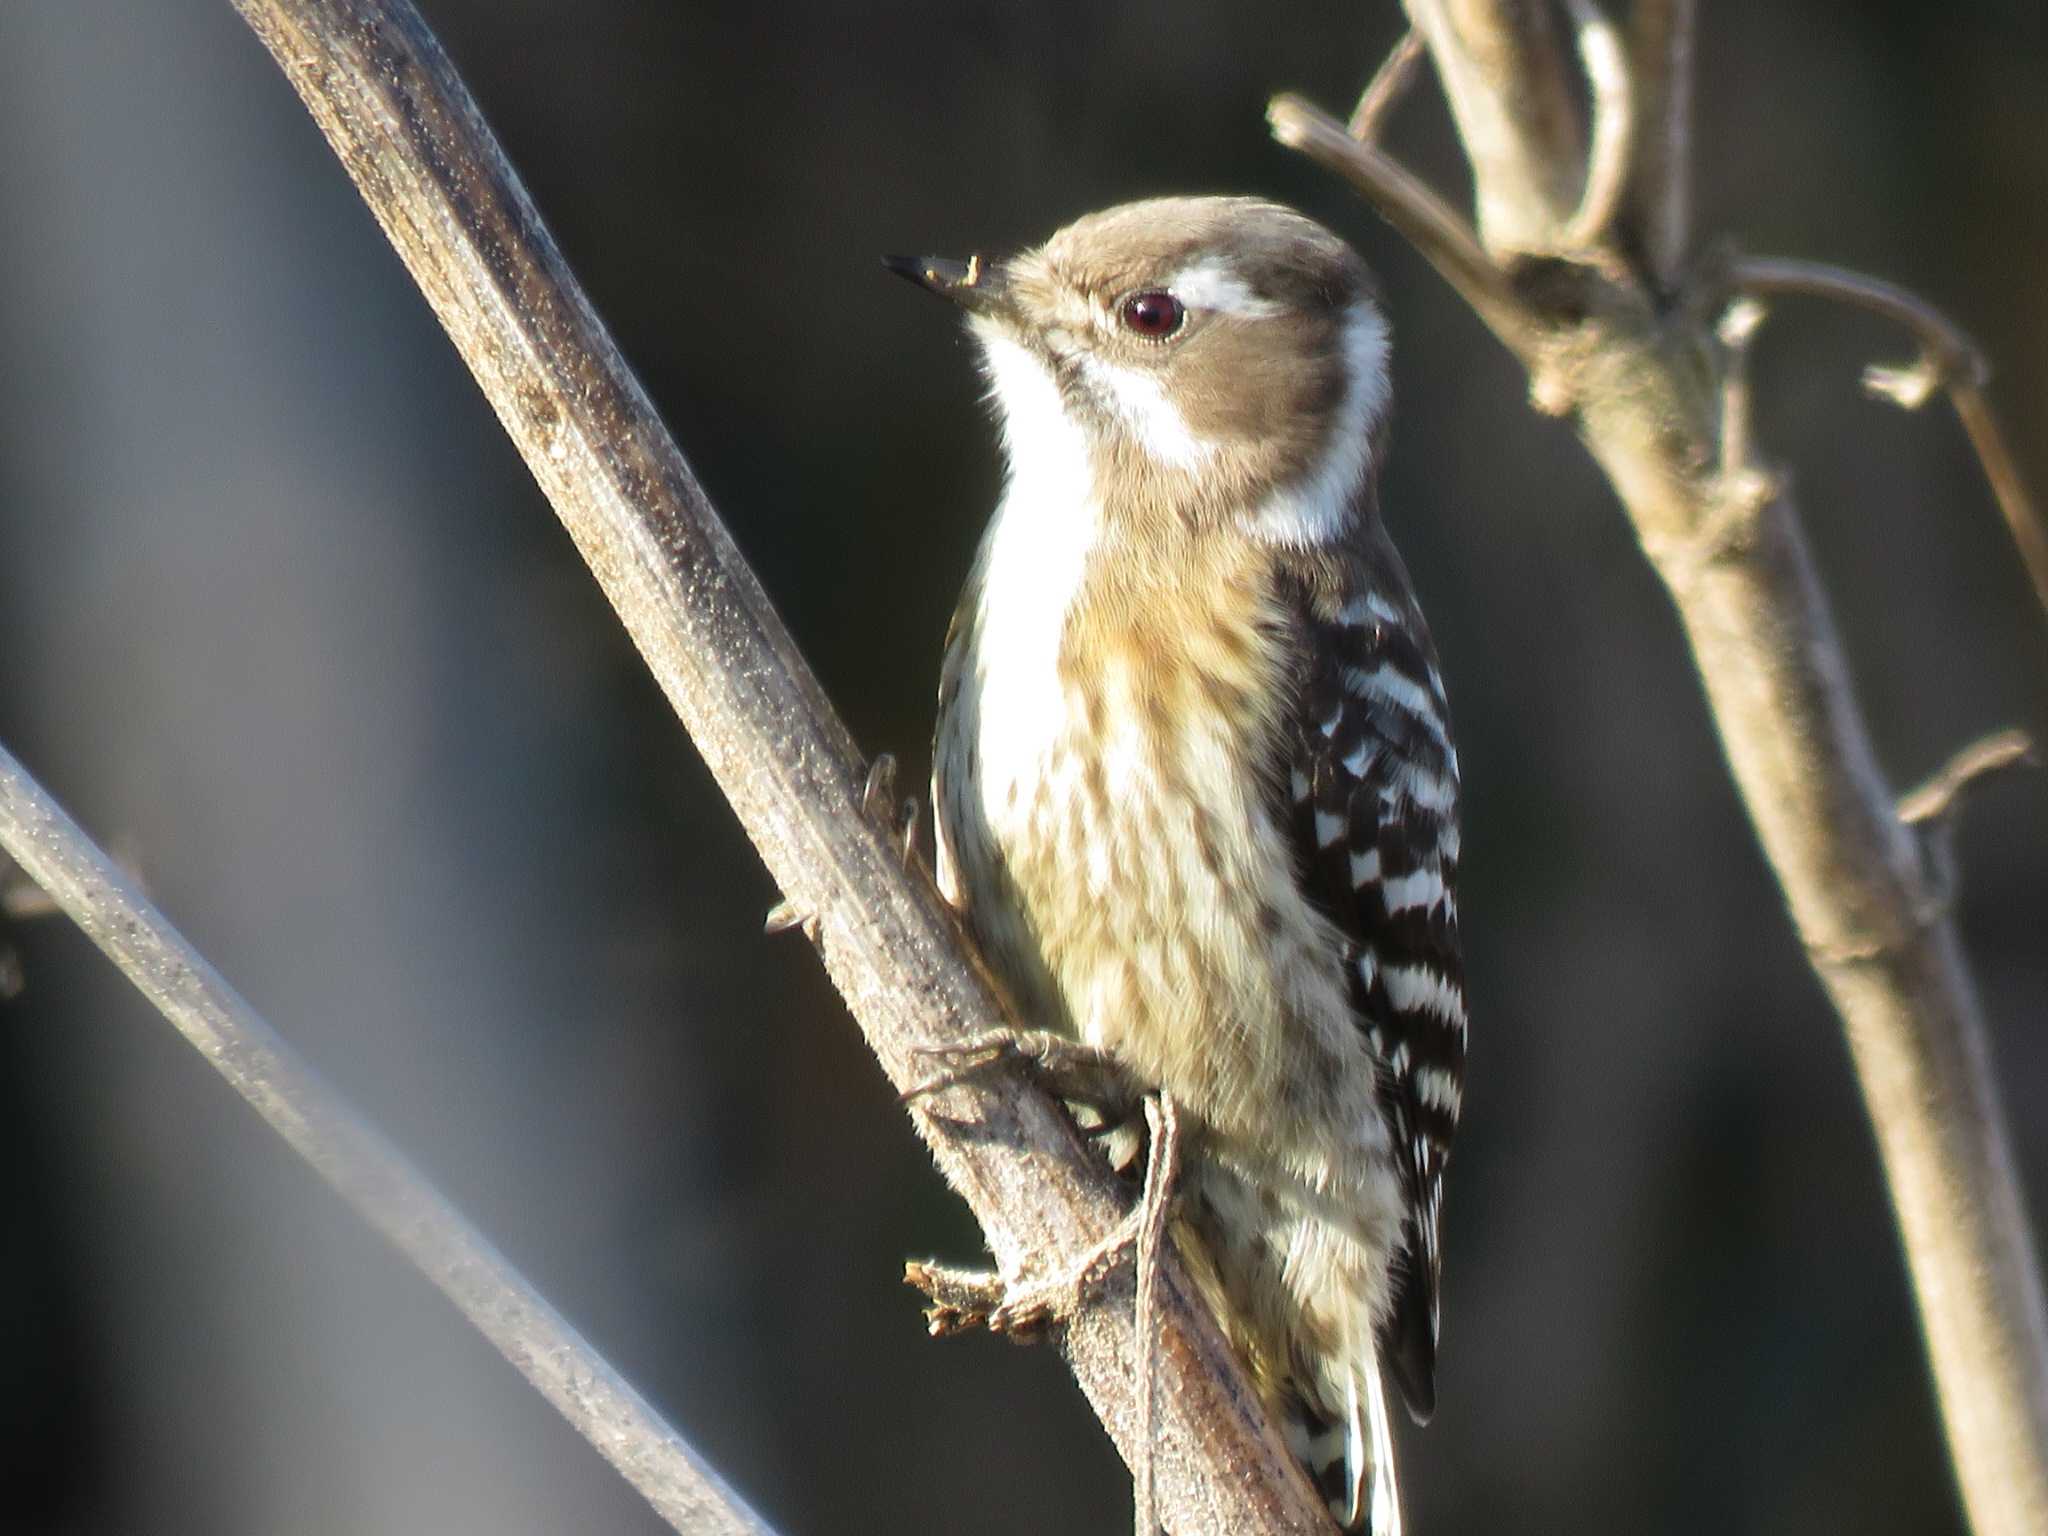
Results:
<point x="1024" y="1310"/>
<point x="1101" y="1097"/>
<point x="1081" y="1074"/>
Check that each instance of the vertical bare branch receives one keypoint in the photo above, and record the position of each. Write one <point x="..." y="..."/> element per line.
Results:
<point x="408" y="135"/>
<point x="1510" y="92"/>
<point x="1656" y="206"/>
<point x="371" y="1174"/>
<point x="1644" y="393"/>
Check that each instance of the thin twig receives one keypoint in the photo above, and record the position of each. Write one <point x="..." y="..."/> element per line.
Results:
<point x="1389" y="83"/>
<point x="384" y="94"/>
<point x="364" y="1168"/>
<point x="1950" y="347"/>
<point x="1937" y="799"/>
<point x="1425" y="220"/>
<point x="1612" y="146"/>
<point x="1162" y="1176"/>
<point x="1953" y="359"/>
<point x="2022" y="516"/>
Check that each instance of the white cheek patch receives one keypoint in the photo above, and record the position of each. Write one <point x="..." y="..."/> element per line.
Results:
<point x="1316" y="509"/>
<point x="1137" y="400"/>
<point x="1213" y="286"/>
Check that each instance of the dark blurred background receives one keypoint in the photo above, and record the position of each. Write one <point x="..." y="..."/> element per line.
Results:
<point x="282" y="614"/>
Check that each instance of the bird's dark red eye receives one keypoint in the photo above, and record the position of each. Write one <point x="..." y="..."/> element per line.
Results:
<point x="1154" y="315"/>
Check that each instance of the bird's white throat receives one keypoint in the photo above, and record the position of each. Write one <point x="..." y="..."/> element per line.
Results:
<point x="1035" y="556"/>
<point x="1033" y="561"/>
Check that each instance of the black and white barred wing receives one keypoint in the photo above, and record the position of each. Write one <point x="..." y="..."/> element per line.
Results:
<point x="1373" y="790"/>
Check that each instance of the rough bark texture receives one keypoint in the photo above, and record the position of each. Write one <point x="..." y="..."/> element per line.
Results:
<point x="1640" y="375"/>
<point x="408" y="135"/>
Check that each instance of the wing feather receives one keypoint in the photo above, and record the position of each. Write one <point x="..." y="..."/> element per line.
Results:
<point x="1373" y="785"/>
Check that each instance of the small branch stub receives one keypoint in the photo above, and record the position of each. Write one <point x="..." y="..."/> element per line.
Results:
<point x="1941" y="796"/>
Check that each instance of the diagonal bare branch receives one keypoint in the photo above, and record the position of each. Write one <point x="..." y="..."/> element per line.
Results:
<point x="364" y="1168"/>
<point x="409" y="136"/>
<point x="2002" y="473"/>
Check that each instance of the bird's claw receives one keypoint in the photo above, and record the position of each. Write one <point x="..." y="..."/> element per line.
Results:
<point x="965" y="1299"/>
<point x="1071" y="1070"/>
<point x="902" y="818"/>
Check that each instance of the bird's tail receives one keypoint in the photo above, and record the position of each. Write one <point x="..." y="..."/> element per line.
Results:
<point x="1348" y="1450"/>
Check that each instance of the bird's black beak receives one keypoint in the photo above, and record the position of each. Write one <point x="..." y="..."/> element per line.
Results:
<point x="976" y="285"/>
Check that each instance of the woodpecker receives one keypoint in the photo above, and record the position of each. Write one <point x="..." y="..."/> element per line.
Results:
<point x="1195" y="789"/>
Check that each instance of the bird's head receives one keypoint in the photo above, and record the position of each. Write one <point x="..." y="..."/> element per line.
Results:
<point x="1203" y="359"/>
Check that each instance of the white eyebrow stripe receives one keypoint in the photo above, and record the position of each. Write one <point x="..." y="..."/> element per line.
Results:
<point x="1210" y="284"/>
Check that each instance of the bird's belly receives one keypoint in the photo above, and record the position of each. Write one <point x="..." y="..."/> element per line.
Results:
<point x="1131" y="888"/>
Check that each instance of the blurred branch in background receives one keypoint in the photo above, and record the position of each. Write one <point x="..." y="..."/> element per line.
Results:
<point x="1949" y="360"/>
<point x="384" y="94"/>
<point x="368" y="1172"/>
<point x="1584" y="251"/>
